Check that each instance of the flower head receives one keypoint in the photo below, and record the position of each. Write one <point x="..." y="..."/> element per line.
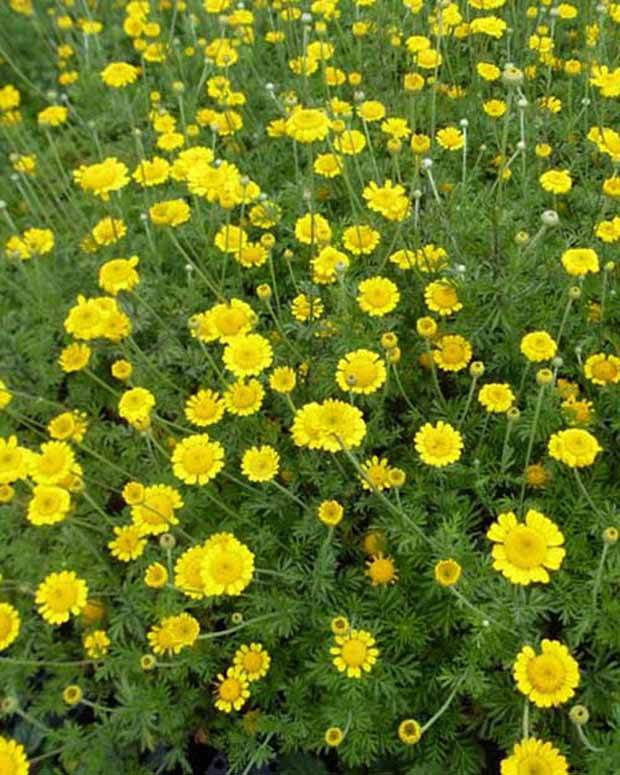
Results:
<point x="548" y="679"/>
<point x="526" y="552"/>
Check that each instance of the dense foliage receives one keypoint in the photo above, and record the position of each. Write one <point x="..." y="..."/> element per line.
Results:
<point x="309" y="405"/>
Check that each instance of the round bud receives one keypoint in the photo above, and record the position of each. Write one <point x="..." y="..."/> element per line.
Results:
<point x="147" y="662"/>
<point x="521" y="146"/>
<point x="513" y="414"/>
<point x="610" y="535"/>
<point x="189" y="268"/>
<point x="544" y="377"/>
<point x="476" y="369"/>
<point x="236" y="617"/>
<point x="417" y="194"/>
<point x="427" y="163"/>
<point x="167" y="541"/>
<point x="8" y="704"/>
<point x="464" y="123"/>
<point x="609" y="266"/>
<point x="574" y="292"/>
<point x="579" y="715"/>
<point x="557" y="362"/>
<point x="522" y="237"/>
<point x="263" y="291"/>
<point x="522" y="103"/>
<point x="550" y="218"/>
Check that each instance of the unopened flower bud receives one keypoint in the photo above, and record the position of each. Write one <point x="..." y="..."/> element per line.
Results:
<point x="263" y="291"/>
<point x="544" y="377"/>
<point x="167" y="541"/>
<point x="476" y="369"/>
<point x="550" y="218"/>
<point x="610" y="535"/>
<point x="574" y="292"/>
<point x="579" y="715"/>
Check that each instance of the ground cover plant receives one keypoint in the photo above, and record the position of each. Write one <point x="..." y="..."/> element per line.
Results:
<point x="310" y="365"/>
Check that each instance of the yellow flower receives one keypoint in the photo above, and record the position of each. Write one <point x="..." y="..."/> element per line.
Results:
<point x="196" y="459"/>
<point x="102" y="178"/>
<point x="53" y="464"/>
<point x="9" y="628"/>
<point x="538" y="346"/>
<point x="227" y="565"/>
<point x="260" y="464"/>
<point x="453" y="352"/>
<point x="409" y="731"/>
<point x="247" y="355"/>
<point x="96" y="644"/>
<point x="556" y="181"/>
<point x="451" y="138"/>
<point x="438" y="445"/>
<point x="156" y="576"/>
<point x="187" y="569"/>
<point x="14" y="460"/>
<point x="355" y="652"/>
<point x="496" y="397"/>
<point x="579" y="261"/>
<point x="252" y="660"/>
<point x="55" y="115"/>
<point x="232" y="690"/>
<point x="155" y="512"/>
<point x="602" y="369"/>
<point x="547" y="679"/>
<point x="283" y="379"/>
<point x="377" y="296"/>
<point x="441" y="297"/>
<point x="119" y="274"/>
<point x="390" y="200"/>
<point x="12" y="754"/>
<point x="333" y="737"/>
<point x="152" y="172"/>
<point x="360" y="371"/>
<point x="533" y="755"/>
<point x="330" y="513"/>
<point x="381" y="570"/>
<point x="135" y="406"/>
<point x="313" y="229"/>
<point x="59" y="595"/>
<point x="447" y="572"/>
<point x="48" y="505"/>
<point x="575" y="447"/>
<point x="204" y="408"/>
<point x="525" y="552"/>
<point x="306" y="125"/>
<point x="171" y="212"/>
<point x="244" y="398"/>
<point x="75" y="357"/>
<point x="360" y="239"/>
<point x="129" y="543"/>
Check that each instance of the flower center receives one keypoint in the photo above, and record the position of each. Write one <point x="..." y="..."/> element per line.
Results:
<point x="605" y="371"/>
<point x="354" y="653"/>
<point x="534" y="765"/>
<point x="230" y="322"/>
<point x="227" y="568"/>
<point x="230" y="689"/>
<point x="452" y="353"/>
<point x="524" y="547"/>
<point x="546" y="673"/>
<point x="197" y="460"/>
<point x="364" y="373"/>
<point x="252" y="661"/>
<point x="62" y="598"/>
